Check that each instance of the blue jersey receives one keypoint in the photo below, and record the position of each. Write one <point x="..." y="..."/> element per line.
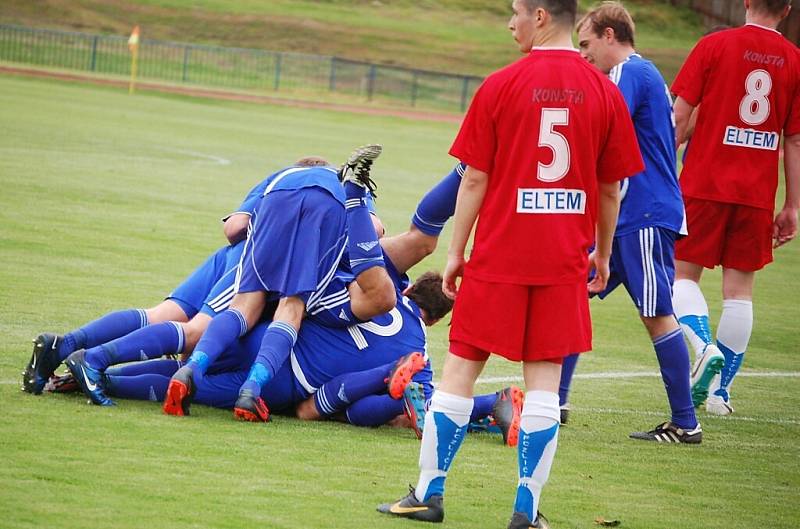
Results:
<point x="323" y="352"/>
<point x="652" y="197"/>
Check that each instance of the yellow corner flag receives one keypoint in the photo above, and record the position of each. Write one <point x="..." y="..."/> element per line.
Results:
<point x="133" y="45"/>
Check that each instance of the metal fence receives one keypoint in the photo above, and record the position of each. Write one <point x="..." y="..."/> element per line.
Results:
<point x="295" y="74"/>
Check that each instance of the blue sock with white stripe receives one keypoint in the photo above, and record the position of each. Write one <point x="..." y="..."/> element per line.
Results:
<point x="445" y="427"/>
<point x="276" y="345"/>
<point x="102" y="330"/>
<point x="374" y="410"/>
<point x="222" y="331"/>
<point x="146" y="343"/>
<point x="363" y="247"/>
<point x="438" y="204"/>
<point x="567" y="370"/>
<point x="536" y="448"/>
<point x="673" y="360"/>
<point x="339" y="392"/>
<point x="150" y="386"/>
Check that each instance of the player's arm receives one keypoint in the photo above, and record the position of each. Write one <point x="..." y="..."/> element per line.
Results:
<point x="235" y="227"/>
<point x="468" y="204"/>
<point x="606" y="225"/>
<point x="785" y="227"/>
<point x="683" y="121"/>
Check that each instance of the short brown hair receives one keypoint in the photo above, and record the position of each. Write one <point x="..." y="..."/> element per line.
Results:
<point x="427" y="293"/>
<point x="610" y="15"/>
<point x="562" y="11"/>
<point x="771" y="7"/>
<point x="312" y="161"/>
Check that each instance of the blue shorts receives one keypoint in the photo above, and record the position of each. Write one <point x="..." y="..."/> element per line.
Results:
<point x="207" y="287"/>
<point x="281" y="394"/>
<point x="644" y="262"/>
<point x="295" y="243"/>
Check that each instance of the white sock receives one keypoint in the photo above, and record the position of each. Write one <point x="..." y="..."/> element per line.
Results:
<point x="538" y="440"/>
<point x="445" y="426"/>
<point x="691" y="310"/>
<point x="733" y="337"/>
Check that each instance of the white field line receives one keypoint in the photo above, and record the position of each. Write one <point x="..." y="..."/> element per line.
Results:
<point x="218" y="160"/>
<point x="704" y="417"/>
<point x="639" y="374"/>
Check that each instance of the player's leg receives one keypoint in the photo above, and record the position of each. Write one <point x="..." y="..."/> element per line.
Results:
<point x="435" y="208"/>
<point x="373" y="292"/>
<point x="141" y="381"/>
<point x="223" y="330"/>
<point x="446" y="424"/>
<point x="340" y="392"/>
<point x="733" y="335"/>
<point x="567" y="372"/>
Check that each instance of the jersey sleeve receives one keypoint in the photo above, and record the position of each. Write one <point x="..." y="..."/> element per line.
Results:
<point x="476" y="141"/>
<point x="620" y="156"/>
<point x="692" y="76"/>
<point x="792" y="125"/>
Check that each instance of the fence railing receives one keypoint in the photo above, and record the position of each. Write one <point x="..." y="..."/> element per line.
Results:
<point x="294" y="74"/>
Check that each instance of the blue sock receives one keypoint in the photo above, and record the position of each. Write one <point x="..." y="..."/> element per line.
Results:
<point x="482" y="406"/>
<point x="221" y="333"/>
<point x="102" y="330"/>
<point x="151" y="367"/>
<point x="374" y="410"/>
<point x="276" y="345"/>
<point x="733" y="361"/>
<point x="339" y="392"/>
<point x="567" y="370"/>
<point x="153" y="341"/>
<point x="150" y="386"/>
<point x="363" y="247"/>
<point x="438" y="204"/>
<point x="673" y="359"/>
<point x="699" y="326"/>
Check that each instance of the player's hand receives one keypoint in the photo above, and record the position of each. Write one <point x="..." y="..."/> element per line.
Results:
<point x="453" y="270"/>
<point x="784" y="229"/>
<point x="602" y="270"/>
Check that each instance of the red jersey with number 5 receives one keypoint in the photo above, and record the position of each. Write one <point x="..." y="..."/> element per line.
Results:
<point x="546" y="129"/>
<point x="747" y="83"/>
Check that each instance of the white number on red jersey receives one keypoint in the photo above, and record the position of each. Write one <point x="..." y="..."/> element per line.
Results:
<point x="548" y="137"/>
<point x="754" y="108"/>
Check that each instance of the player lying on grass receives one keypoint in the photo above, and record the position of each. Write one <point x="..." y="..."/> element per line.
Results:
<point x="172" y="327"/>
<point x="651" y="215"/>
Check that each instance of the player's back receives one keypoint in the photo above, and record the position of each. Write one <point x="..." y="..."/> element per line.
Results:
<point x="652" y="197"/>
<point x="323" y="352"/>
<point x="552" y="114"/>
<point x="746" y="82"/>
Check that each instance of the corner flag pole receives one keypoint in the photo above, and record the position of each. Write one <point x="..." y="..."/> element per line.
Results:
<point x="133" y="46"/>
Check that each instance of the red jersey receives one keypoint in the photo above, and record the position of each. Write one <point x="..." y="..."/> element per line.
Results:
<point x="545" y="128"/>
<point x="747" y="83"/>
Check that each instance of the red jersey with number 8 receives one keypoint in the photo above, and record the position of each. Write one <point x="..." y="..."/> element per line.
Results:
<point x="546" y="129"/>
<point x="747" y="84"/>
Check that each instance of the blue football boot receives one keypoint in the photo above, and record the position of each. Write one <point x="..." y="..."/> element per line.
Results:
<point x="43" y="363"/>
<point x="89" y="379"/>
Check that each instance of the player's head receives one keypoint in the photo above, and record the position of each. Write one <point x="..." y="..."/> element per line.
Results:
<point x="606" y="35"/>
<point x="312" y="161"/>
<point x="533" y="21"/>
<point x="776" y="9"/>
<point x="427" y="293"/>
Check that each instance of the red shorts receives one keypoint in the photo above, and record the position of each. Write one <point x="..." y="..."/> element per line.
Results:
<point x="731" y="235"/>
<point x="520" y="322"/>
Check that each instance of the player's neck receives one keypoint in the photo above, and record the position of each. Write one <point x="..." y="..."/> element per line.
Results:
<point x="622" y="52"/>
<point x="553" y="37"/>
<point x="759" y="19"/>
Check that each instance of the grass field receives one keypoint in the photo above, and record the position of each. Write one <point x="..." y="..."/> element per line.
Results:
<point x="107" y="201"/>
<point x="457" y="36"/>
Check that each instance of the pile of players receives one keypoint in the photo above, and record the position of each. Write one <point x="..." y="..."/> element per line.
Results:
<point x="568" y="164"/>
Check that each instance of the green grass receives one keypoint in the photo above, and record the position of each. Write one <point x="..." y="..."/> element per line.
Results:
<point x="107" y="202"/>
<point x="457" y="36"/>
